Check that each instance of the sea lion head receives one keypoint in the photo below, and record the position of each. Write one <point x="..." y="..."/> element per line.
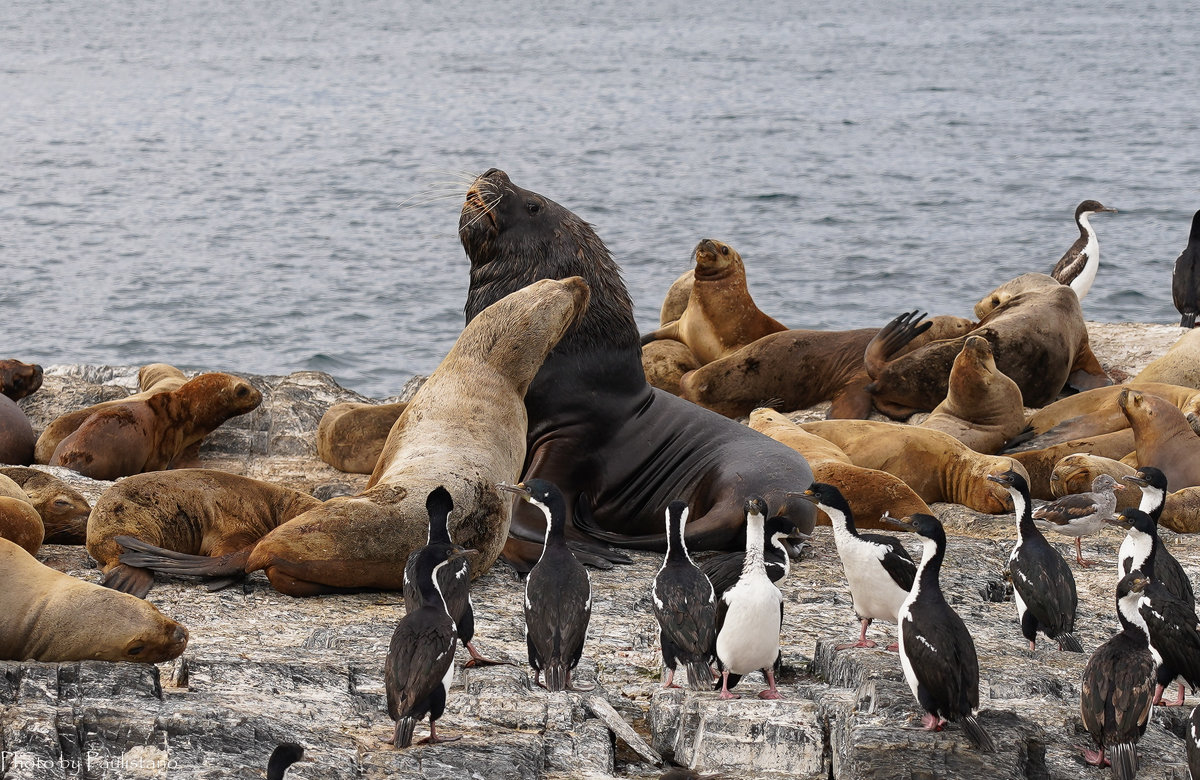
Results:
<point x="716" y="259"/>
<point x="514" y="237"/>
<point x="1011" y="289"/>
<point x="18" y="379"/>
<point x="130" y="629"/>
<point x="218" y="396"/>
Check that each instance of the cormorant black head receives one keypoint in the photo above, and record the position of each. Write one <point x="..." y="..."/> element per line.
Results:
<point x="1135" y="518"/>
<point x="1091" y="207"/>
<point x="923" y="525"/>
<point x="439" y="505"/>
<point x="755" y="505"/>
<point x="1011" y="479"/>
<point x="1148" y="476"/>
<point x="546" y="496"/>
<point x="1133" y="582"/>
<point x="286" y="754"/>
<point x="779" y="528"/>
<point x="824" y="493"/>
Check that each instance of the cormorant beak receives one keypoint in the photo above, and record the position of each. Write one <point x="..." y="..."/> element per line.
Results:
<point x="461" y="552"/>
<point x="1109" y="208"/>
<point x="1139" y="584"/>
<point x="998" y="478"/>
<point x="1134" y="479"/>
<point x="899" y="525"/>
<point x="1121" y="521"/>
<point x="520" y="489"/>
<point x="806" y="495"/>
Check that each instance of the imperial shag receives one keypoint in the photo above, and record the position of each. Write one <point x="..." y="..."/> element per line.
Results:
<point x="1142" y="537"/>
<point x="724" y="569"/>
<point x="686" y="607"/>
<point x="1078" y="266"/>
<point x="1185" y="279"/>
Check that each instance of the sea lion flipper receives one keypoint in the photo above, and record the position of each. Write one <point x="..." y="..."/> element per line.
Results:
<point x="668" y="331"/>
<point x="892" y="338"/>
<point x="133" y="580"/>
<point x="145" y="555"/>
<point x="853" y="402"/>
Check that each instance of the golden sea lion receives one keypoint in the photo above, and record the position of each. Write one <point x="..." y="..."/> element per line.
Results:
<point x="64" y="510"/>
<point x="1075" y="474"/>
<point x="665" y="361"/>
<point x="1095" y="412"/>
<point x="720" y="316"/>
<point x="1181" y="512"/>
<point x="676" y="299"/>
<point x="1162" y="437"/>
<point x="1180" y="365"/>
<point x="350" y="435"/>
<point x="19" y="520"/>
<point x="937" y="466"/>
<point x="152" y="379"/>
<point x="46" y="615"/>
<point x="870" y="492"/>
<point x="982" y="407"/>
<point x="148" y="435"/>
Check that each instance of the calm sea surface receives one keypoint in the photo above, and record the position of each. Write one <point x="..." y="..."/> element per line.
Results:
<point x="269" y="186"/>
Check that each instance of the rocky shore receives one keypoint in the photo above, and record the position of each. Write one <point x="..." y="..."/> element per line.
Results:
<point x="262" y="668"/>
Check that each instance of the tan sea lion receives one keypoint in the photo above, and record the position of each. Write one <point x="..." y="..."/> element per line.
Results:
<point x="665" y="361"/>
<point x="937" y="466"/>
<point x="193" y="511"/>
<point x="1181" y="512"/>
<point x="676" y="299"/>
<point x="870" y="492"/>
<point x="148" y="435"/>
<point x="1163" y="437"/>
<point x="51" y="616"/>
<point x="1075" y="474"/>
<point x="796" y="369"/>
<point x="19" y="520"/>
<point x="720" y="316"/>
<point x="152" y="379"/>
<point x="1040" y="463"/>
<point x="1180" y="365"/>
<point x="350" y="435"/>
<point x="465" y="429"/>
<point x="1038" y="336"/>
<point x="1094" y="412"/>
<point x="64" y="510"/>
<point x="982" y="407"/>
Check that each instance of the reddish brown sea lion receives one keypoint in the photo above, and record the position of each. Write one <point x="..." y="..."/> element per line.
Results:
<point x="1038" y="338"/>
<point x="1040" y="463"/>
<point x="351" y="435"/>
<point x="148" y="435"/>
<point x="63" y="509"/>
<point x="19" y="521"/>
<point x="720" y="316"/>
<point x="17" y="439"/>
<point x="982" y="407"/>
<point x="46" y="615"/>
<point x="619" y="449"/>
<point x="1163" y="437"/>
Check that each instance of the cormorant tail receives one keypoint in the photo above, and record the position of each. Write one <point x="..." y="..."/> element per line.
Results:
<point x="1188" y="321"/>
<point x="1124" y="760"/>
<point x="556" y="676"/>
<point x="699" y="675"/>
<point x="404" y="733"/>
<point x="1069" y="642"/>
<point x="977" y="734"/>
<point x="286" y="754"/>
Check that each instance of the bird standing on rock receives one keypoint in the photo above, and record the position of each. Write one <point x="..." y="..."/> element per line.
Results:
<point x="1043" y="586"/>
<point x="1080" y="514"/>
<point x="1077" y="268"/>
<point x="685" y="606"/>
<point x="724" y="569"/>
<point x="1142" y="539"/>
<point x="879" y="570"/>
<point x="1185" y="279"/>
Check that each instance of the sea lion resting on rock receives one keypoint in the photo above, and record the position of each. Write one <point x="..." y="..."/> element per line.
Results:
<point x="18" y="379"/>
<point x="1162" y="437"/>
<point x="351" y="435"/>
<point x="464" y="429"/>
<point x="870" y="492"/>
<point x="1075" y="474"/>
<point x="46" y="615"/>
<point x="1095" y="412"/>
<point x="982" y="407"/>
<point x="937" y="466"/>
<point x="619" y="450"/>
<point x="1040" y="463"/>
<point x="720" y="316"/>
<point x="17" y="439"/>
<point x="1038" y="338"/>
<point x="1180" y="365"/>
<point x="195" y="511"/>
<point x="63" y="509"/>
<point x="19" y="520"/>
<point x="152" y="379"/>
<point x="665" y="361"/>
<point x="797" y="369"/>
<point x="148" y="435"/>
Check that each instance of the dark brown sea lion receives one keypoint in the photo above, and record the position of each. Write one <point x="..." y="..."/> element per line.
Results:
<point x="796" y="369"/>
<point x="152" y="379"/>
<point x="351" y="435"/>
<point x="193" y="511"/>
<point x="148" y="435"/>
<point x="64" y="510"/>
<point x="665" y="361"/>
<point x="46" y="615"/>
<point x="19" y="521"/>
<point x="17" y="439"/>
<point x="1038" y="336"/>
<point x="18" y="379"/>
<point x="1163" y="437"/>
<point x="619" y="449"/>
<point x="720" y="316"/>
<point x="982" y="407"/>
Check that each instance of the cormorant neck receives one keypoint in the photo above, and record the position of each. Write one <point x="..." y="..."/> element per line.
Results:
<point x="1152" y="501"/>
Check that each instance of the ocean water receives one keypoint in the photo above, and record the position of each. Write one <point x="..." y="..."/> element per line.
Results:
<point x="267" y="186"/>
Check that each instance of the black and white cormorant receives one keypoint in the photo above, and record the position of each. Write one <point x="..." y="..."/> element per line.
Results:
<point x="937" y="653"/>
<point x="1118" y="686"/>
<point x="420" y="659"/>
<point x="284" y="755"/>
<point x="1136" y="547"/>
<point x="454" y="579"/>
<point x="1077" y="267"/>
<point x="686" y="607"/>
<point x="558" y="593"/>
<point x="1043" y="586"/>
<point x="1185" y="279"/>
<point x="1080" y="514"/>
<point x="750" y="614"/>
<point x="724" y="569"/>
<point x="1192" y="739"/>
<point x="879" y="570"/>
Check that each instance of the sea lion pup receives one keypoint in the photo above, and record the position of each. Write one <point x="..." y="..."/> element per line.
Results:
<point x="1038" y="336"/>
<point x="351" y="435"/>
<point x="152" y="379"/>
<point x="19" y="520"/>
<point x="796" y="369"/>
<point x="665" y="362"/>
<point x="1040" y="463"/>
<point x="1076" y="473"/>
<point x="937" y="466"/>
<point x="982" y="407"/>
<point x="720" y="316"/>
<point x="1163" y="437"/>
<point x="63" y="509"/>
<point x="51" y="616"/>
<point x="148" y="435"/>
<point x="619" y="449"/>
<point x="1179" y="365"/>
<point x="17" y="438"/>
<point x="193" y="511"/>
<point x="870" y="492"/>
<point x="464" y="429"/>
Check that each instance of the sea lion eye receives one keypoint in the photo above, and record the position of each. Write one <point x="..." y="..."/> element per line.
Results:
<point x="724" y="250"/>
<point x="61" y="503"/>
<point x="136" y="649"/>
<point x="533" y="207"/>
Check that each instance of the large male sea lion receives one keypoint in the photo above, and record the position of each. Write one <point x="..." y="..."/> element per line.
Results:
<point x="46" y="615"/>
<point x="351" y="435"/>
<point x="619" y="449"/>
<point x="64" y="510"/>
<point x="720" y="316"/>
<point x="464" y="430"/>
<point x="1038" y="336"/>
<point x="1162" y="437"/>
<point x="152" y="379"/>
<point x="982" y="407"/>
<point x="148" y="435"/>
<point x="1179" y="365"/>
<point x="17" y="439"/>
